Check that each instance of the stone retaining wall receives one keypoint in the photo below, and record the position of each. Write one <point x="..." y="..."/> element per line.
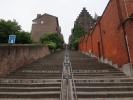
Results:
<point x="15" y="56"/>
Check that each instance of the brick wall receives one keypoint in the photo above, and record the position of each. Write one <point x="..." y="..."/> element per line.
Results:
<point x="108" y="36"/>
<point x="96" y="41"/>
<point x="85" y="43"/>
<point x="13" y="57"/>
<point x="89" y="44"/>
<point x="49" y="25"/>
<point x="129" y="31"/>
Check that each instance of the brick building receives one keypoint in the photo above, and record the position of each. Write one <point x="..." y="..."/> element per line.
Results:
<point x="85" y="20"/>
<point x="43" y="24"/>
<point x="111" y="39"/>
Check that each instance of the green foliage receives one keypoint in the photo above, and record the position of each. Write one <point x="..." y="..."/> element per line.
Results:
<point x="77" y="32"/>
<point x="3" y="37"/>
<point x="52" y="40"/>
<point x="12" y="27"/>
<point x="23" y="38"/>
<point x="9" y="27"/>
<point x="75" y="43"/>
<point x="51" y="45"/>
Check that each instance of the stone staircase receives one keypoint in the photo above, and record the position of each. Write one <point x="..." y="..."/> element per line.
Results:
<point x="88" y="80"/>
<point x="40" y="80"/>
<point x="97" y="81"/>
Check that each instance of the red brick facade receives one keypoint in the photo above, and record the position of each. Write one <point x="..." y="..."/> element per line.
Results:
<point x="112" y="36"/>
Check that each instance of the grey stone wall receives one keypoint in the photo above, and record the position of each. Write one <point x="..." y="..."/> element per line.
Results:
<point x="15" y="56"/>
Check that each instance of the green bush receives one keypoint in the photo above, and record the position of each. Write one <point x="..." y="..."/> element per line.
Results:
<point x="51" y="45"/>
<point x="23" y="38"/>
<point x="52" y="40"/>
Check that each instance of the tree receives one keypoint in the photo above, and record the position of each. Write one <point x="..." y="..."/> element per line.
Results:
<point x="12" y="27"/>
<point x="23" y="37"/>
<point x="52" y="40"/>
<point x="77" y="32"/>
<point x="6" y="28"/>
<point x="9" y="27"/>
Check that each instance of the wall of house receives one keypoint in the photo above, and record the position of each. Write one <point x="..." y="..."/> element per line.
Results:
<point x="108" y="36"/>
<point x="85" y="43"/>
<point x="13" y="57"/>
<point x="96" y="41"/>
<point x="129" y="26"/>
<point x="129" y="31"/>
<point x="50" y="24"/>
<point x="113" y="36"/>
<point x="89" y="44"/>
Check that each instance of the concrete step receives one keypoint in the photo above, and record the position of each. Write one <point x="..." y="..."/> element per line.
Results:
<point x="47" y="94"/>
<point x="39" y="71"/>
<point x="99" y="74"/>
<point x="34" y="88"/>
<point x="41" y="81"/>
<point x="30" y="85"/>
<point x="107" y="94"/>
<point x="42" y="68"/>
<point x="30" y="98"/>
<point x="92" y="68"/>
<point x="103" y="89"/>
<point x="35" y="76"/>
<point x="96" y="71"/>
<point x="105" y="84"/>
<point x="122" y="98"/>
<point x="96" y="76"/>
<point x="93" y="87"/>
<point x="42" y="89"/>
<point x="113" y="80"/>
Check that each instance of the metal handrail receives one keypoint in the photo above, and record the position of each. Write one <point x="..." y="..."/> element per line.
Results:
<point x="71" y="84"/>
<point x="61" y="96"/>
<point x="62" y="83"/>
<point x="74" y="87"/>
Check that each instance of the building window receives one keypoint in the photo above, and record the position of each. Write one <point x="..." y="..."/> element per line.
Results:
<point x="34" y="22"/>
<point x="42" y="22"/>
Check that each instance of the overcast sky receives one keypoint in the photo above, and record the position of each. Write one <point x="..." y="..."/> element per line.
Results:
<point x="24" y="11"/>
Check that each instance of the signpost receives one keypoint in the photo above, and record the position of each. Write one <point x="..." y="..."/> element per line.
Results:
<point x="12" y="39"/>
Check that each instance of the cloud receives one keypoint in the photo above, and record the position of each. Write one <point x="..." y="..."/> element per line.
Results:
<point x="24" y="11"/>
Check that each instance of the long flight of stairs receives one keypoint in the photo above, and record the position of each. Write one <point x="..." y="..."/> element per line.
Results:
<point x="97" y="81"/>
<point x="40" y="80"/>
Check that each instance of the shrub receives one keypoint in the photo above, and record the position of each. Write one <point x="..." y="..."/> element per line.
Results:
<point x="52" y="40"/>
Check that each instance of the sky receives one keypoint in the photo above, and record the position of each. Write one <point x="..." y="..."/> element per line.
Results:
<point x="24" y="11"/>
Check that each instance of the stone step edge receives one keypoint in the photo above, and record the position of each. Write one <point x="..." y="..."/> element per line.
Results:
<point x="31" y="93"/>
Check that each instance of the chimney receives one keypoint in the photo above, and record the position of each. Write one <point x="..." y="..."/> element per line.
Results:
<point x="38" y="15"/>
